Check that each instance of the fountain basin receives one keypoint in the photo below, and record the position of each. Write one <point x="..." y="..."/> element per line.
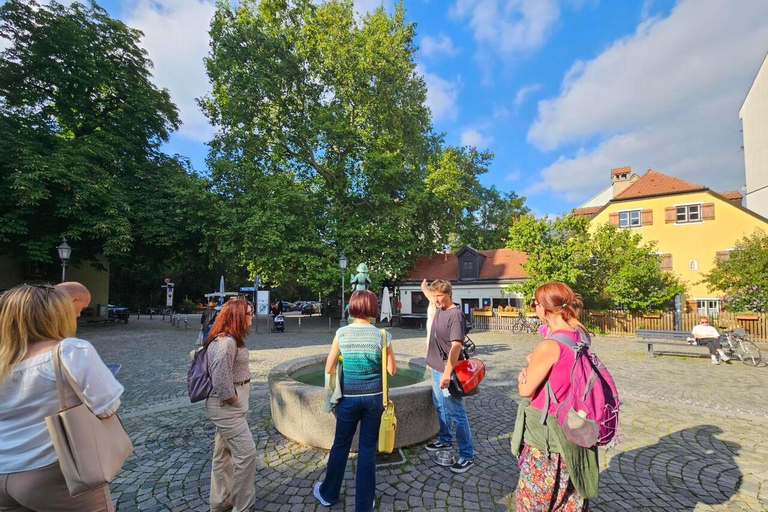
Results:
<point x="297" y="407"/>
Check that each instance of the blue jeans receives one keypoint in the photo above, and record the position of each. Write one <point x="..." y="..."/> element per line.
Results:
<point x="350" y="410"/>
<point x="450" y="410"/>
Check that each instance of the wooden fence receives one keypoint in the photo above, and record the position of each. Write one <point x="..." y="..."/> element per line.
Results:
<point x="620" y="323"/>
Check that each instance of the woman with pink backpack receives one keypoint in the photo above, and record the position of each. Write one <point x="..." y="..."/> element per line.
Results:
<point x="570" y="407"/>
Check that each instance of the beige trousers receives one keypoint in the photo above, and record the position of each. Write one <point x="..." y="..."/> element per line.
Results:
<point x="233" y="468"/>
<point x="45" y="490"/>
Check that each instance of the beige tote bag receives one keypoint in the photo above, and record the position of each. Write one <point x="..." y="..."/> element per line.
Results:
<point x="91" y="450"/>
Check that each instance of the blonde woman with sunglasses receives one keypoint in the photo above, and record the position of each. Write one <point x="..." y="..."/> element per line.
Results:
<point x="35" y="321"/>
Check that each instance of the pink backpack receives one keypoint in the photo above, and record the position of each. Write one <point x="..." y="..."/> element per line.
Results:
<point x="589" y="413"/>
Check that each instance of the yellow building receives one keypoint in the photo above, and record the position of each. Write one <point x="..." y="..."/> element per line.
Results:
<point x="691" y="224"/>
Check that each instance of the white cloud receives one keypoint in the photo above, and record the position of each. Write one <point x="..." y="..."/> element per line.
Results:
<point x="176" y="37"/>
<point x="508" y="27"/>
<point x="665" y="97"/>
<point x="441" y="95"/>
<point x="523" y="93"/>
<point x="472" y="137"/>
<point x="441" y="44"/>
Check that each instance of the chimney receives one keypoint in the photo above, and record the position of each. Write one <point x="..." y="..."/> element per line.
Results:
<point x="620" y="179"/>
<point x="445" y="255"/>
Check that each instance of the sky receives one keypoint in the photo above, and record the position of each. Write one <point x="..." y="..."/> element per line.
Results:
<point x="560" y="91"/>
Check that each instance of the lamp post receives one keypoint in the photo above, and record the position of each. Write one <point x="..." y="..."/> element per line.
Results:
<point x="64" y="252"/>
<point x="343" y="267"/>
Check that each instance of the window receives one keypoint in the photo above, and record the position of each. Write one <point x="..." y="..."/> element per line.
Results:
<point x="688" y="213"/>
<point x="419" y="303"/>
<point x="693" y="265"/>
<point x="468" y="269"/>
<point x="708" y="307"/>
<point x="629" y="219"/>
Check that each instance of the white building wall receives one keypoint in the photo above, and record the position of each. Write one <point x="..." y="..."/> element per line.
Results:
<point x="461" y="291"/>
<point x="600" y="199"/>
<point x="754" y="119"/>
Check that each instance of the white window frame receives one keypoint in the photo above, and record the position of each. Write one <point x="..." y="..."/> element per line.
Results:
<point x="708" y="306"/>
<point x="629" y="219"/>
<point x="687" y="220"/>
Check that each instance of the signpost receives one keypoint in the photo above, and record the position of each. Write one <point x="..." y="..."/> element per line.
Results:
<point x="256" y="284"/>
<point x="169" y="295"/>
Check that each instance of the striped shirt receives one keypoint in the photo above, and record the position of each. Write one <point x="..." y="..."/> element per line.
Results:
<point x="360" y="347"/>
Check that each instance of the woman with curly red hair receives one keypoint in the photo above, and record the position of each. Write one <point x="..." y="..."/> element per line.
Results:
<point x="234" y="454"/>
<point x="556" y="475"/>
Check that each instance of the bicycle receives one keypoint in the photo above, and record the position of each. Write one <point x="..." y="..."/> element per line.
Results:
<point x="741" y="346"/>
<point x="523" y="323"/>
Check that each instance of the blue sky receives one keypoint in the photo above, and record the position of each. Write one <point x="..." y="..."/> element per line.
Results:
<point x="561" y="91"/>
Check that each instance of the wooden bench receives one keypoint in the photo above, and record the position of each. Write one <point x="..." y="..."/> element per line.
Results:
<point x="651" y="337"/>
<point x="101" y="321"/>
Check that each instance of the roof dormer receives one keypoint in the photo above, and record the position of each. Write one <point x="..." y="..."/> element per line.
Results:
<point x="470" y="263"/>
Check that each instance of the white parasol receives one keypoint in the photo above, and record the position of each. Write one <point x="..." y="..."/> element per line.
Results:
<point x="386" y="305"/>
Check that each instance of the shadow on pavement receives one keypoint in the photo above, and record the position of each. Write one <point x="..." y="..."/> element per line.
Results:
<point x="685" y="468"/>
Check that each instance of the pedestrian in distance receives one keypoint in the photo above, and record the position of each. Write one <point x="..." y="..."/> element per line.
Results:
<point x="556" y="475"/>
<point x="446" y="339"/>
<point x="34" y="322"/>
<point x="360" y="345"/>
<point x="233" y="467"/>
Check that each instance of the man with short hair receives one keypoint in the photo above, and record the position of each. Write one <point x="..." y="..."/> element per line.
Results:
<point x="446" y="338"/>
<point x="79" y="295"/>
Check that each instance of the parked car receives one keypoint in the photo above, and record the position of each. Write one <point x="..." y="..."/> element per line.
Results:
<point x="307" y="308"/>
<point x="287" y="306"/>
<point x="121" y="313"/>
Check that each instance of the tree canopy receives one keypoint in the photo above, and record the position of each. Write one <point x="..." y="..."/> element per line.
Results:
<point x="325" y="145"/>
<point x="81" y="125"/>
<point x="743" y="274"/>
<point x="610" y="267"/>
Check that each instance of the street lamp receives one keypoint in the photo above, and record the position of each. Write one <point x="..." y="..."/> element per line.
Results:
<point x="343" y="267"/>
<point x="64" y="252"/>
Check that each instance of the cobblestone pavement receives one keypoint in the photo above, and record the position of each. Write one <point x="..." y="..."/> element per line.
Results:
<point x="695" y="435"/>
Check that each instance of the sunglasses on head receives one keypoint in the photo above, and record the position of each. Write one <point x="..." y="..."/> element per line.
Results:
<point x="46" y="287"/>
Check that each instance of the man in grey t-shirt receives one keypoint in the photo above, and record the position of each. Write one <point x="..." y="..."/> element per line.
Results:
<point x="446" y="337"/>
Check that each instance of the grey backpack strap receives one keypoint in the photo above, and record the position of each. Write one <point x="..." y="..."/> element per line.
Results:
<point x="568" y="342"/>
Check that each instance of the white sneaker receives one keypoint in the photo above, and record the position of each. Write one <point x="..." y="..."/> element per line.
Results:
<point x="316" y="492"/>
<point x="715" y="361"/>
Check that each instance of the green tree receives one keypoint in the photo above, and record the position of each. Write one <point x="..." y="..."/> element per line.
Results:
<point x="80" y="125"/>
<point x="610" y="267"/>
<point x="487" y="226"/>
<point x="325" y="143"/>
<point x="743" y="275"/>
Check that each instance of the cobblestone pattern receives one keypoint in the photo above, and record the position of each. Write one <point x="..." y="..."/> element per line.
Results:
<point x="694" y="434"/>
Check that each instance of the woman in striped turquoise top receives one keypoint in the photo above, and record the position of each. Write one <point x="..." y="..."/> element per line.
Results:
<point x="359" y="344"/>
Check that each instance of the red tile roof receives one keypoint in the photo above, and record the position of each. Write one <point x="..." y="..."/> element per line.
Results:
<point x="589" y="210"/>
<point x="732" y="195"/>
<point x="498" y="264"/>
<point x="654" y="183"/>
<point x="621" y="170"/>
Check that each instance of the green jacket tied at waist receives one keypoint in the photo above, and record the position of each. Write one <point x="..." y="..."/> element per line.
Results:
<point x="582" y="463"/>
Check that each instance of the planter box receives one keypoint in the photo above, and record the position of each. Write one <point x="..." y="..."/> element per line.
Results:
<point x="747" y="317"/>
<point x="482" y="313"/>
<point x="509" y="313"/>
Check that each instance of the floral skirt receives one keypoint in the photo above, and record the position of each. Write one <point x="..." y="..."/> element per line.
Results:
<point x="544" y="484"/>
